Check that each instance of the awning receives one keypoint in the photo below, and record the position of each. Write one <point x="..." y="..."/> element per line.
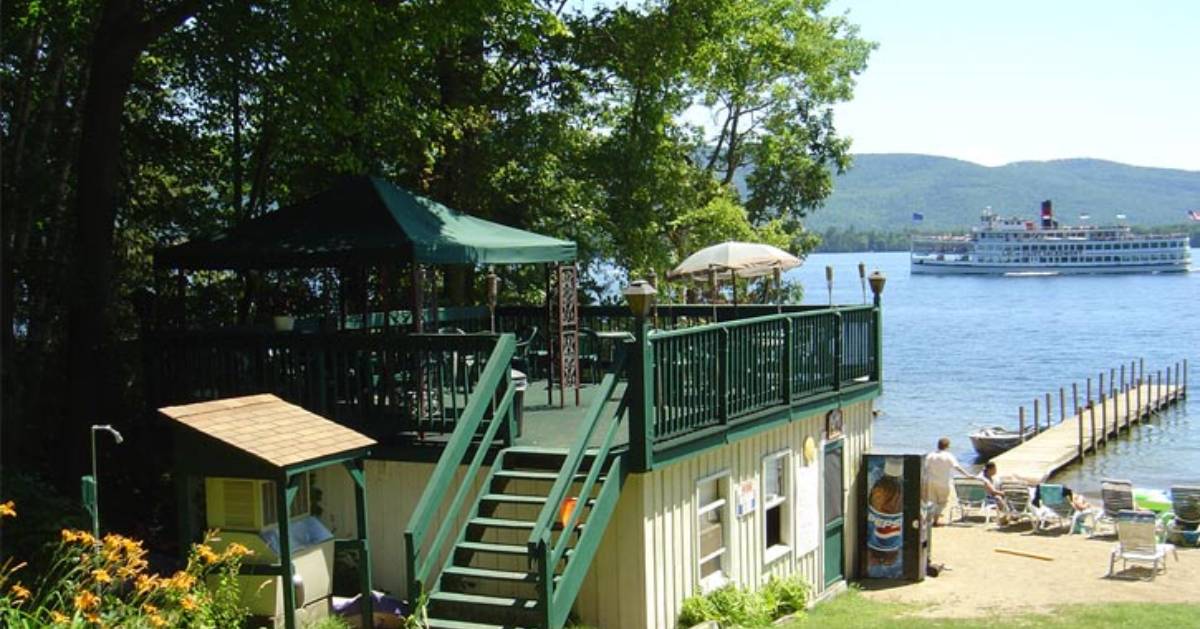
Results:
<point x="365" y="220"/>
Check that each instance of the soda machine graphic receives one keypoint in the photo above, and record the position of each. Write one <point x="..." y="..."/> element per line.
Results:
<point x="895" y="536"/>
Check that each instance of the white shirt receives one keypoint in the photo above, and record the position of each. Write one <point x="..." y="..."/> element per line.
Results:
<point x="938" y="466"/>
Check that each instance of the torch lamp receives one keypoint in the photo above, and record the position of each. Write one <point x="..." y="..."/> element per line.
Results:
<point x="493" y="293"/>
<point x="862" y="279"/>
<point x="829" y="283"/>
<point x="877" y="280"/>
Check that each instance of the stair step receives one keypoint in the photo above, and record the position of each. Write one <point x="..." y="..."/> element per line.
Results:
<point x="487" y="547"/>
<point x="515" y="498"/>
<point x="523" y="604"/>
<point x="437" y="623"/>
<point x="487" y="573"/>
<point x="501" y="523"/>
<point x="546" y="476"/>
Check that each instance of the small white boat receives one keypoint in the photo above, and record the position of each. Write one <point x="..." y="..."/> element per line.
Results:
<point x="988" y="442"/>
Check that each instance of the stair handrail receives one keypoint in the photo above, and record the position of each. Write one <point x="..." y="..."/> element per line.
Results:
<point x="540" y="549"/>
<point x="495" y="373"/>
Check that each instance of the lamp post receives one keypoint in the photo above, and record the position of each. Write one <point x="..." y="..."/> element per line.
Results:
<point x="877" y="280"/>
<point x="493" y="294"/>
<point x="91" y="495"/>
<point x="640" y="296"/>
<point x="862" y="279"/>
<point x="829" y="283"/>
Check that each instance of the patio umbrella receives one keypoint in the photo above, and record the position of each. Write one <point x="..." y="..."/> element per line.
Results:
<point x="731" y="260"/>
<point x="745" y="259"/>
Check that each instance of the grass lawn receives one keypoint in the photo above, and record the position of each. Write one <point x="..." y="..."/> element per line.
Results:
<point x="853" y="610"/>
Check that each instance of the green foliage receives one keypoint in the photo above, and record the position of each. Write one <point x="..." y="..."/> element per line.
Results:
<point x="105" y="582"/>
<point x="731" y="606"/>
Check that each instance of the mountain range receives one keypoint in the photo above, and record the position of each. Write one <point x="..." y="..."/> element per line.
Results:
<point x="882" y="191"/>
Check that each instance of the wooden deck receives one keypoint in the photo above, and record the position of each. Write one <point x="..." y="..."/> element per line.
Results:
<point x="1055" y="447"/>
<point x="552" y="426"/>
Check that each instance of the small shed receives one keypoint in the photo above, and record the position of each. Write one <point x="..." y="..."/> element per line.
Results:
<point x="254" y="454"/>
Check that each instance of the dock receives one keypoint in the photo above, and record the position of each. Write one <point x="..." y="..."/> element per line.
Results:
<point x="1087" y="431"/>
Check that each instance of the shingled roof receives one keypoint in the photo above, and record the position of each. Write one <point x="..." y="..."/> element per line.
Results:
<point x="269" y="429"/>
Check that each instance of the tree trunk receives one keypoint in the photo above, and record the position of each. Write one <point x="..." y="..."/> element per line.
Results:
<point x="124" y="31"/>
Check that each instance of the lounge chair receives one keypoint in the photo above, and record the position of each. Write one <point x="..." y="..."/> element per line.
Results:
<point x="1183" y="522"/>
<point x="1117" y="496"/>
<point x="1056" y="510"/>
<point x="1016" y="504"/>
<point x="1138" y="542"/>
<point x="971" y="494"/>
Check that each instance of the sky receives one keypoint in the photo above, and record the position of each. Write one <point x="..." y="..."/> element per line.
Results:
<point x="998" y="81"/>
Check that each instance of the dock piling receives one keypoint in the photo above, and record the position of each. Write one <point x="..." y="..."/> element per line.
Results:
<point x="1049" y="422"/>
<point x="1037" y="424"/>
<point x="1092" y="416"/>
<point x="1021" y="422"/>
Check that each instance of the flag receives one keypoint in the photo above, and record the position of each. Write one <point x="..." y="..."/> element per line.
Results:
<point x="918" y="217"/>
<point x="1194" y="215"/>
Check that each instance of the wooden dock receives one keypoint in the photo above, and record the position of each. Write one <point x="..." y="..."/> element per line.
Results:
<point x="1056" y="445"/>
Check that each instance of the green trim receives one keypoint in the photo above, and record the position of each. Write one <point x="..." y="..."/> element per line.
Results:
<point x="325" y="461"/>
<point x="567" y="587"/>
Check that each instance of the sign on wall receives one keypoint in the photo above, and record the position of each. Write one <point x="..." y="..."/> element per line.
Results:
<point x="747" y="496"/>
<point x="808" y="508"/>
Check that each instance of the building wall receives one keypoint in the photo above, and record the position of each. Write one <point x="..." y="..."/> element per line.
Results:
<point x="648" y="560"/>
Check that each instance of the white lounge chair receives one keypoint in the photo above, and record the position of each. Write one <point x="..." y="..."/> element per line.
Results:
<point x="1016" y="503"/>
<point x="1117" y="496"/>
<point x="971" y="493"/>
<point x="1138" y="542"/>
<point x="1183" y="523"/>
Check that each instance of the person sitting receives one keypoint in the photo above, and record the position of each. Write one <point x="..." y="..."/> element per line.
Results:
<point x="991" y="482"/>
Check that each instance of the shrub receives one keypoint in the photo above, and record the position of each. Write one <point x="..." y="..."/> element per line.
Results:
<point x="105" y="582"/>
<point x="731" y="606"/>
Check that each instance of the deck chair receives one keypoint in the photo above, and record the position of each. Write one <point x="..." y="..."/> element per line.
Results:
<point x="1183" y="522"/>
<point x="1137" y="542"/>
<point x="1056" y="510"/>
<point x="972" y="494"/>
<point x="1017" y="506"/>
<point x="1117" y="496"/>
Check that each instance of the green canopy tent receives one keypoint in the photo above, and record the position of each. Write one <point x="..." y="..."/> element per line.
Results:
<point x="365" y="220"/>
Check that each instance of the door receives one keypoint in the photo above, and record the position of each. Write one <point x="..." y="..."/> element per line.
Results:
<point x="835" y="516"/>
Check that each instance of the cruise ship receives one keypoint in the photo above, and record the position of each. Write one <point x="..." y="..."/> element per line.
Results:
<point x="1014" y="246"/>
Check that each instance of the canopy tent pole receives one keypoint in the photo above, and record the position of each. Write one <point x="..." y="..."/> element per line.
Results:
<point x="549" y="341"/>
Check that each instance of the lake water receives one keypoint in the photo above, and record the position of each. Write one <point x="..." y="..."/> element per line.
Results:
<point x="965" y="352"/>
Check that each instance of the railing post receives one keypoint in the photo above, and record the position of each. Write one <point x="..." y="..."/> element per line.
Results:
<point x="641" y="407"/>
<point x="723" y="375"/>
<point x="877" y="374"/>
<point x="838" y="329"/>
<point x="788" y="339"/>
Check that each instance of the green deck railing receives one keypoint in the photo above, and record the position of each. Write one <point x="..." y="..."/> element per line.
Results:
<point x="423" y="552"/>
<point x="717" y="374"/>
<point x="379" y="383"/>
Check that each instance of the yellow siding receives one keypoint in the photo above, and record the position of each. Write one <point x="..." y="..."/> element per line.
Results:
<point x="647" y="563"/>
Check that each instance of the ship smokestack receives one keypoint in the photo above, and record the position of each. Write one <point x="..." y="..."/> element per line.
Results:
<point x="1047" y="215"/>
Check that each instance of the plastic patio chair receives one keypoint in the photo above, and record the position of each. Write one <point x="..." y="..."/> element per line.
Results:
<point x="1117" y="496"/>
<point x="1138" y="542"/>
<point x="972" y="494"/>
<point x="1183" y="522"/>
<point x="1056" y="510"/>
<point x="1017" y="504"/>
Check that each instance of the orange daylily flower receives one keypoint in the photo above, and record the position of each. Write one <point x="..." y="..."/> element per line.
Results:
<point x="20" y="592"/>
<point x="85" y="600"/>
<point x="8" y="509"/>
<point x="101" y="576"/>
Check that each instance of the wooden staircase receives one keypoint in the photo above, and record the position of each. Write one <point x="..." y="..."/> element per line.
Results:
<point x="490" y="578"/>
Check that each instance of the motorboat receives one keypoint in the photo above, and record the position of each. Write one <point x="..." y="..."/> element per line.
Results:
<point x="988" y="442"/>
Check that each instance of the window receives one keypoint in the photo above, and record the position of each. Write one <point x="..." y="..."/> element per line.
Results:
<point x="777" y="521"/>
<point x="299" y="503"/>
<point x="712" y="508"/>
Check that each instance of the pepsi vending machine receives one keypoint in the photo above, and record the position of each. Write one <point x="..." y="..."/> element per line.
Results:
<point x="894" y="531"/>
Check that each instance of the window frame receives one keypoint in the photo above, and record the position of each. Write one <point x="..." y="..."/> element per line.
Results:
<point x="774" y="553"/>
<point x="723" y="575"/>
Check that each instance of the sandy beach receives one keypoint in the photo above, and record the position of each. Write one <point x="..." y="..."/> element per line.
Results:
<point x="980" y="581"/>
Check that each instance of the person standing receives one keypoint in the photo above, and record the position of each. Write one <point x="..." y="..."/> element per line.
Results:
<point x="938" y="466"/>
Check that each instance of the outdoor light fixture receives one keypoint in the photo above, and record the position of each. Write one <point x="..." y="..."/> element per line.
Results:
<point x="877" y="280"/>
<point x="640" y="296"/>
<point x="493" y="294"/>
<point x="91" y="494"/>
<point x="862" y="279"/>
<point x="829" y="282"/>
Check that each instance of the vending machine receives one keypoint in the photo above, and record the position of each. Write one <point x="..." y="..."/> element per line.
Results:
<point x="895" y="529"/>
